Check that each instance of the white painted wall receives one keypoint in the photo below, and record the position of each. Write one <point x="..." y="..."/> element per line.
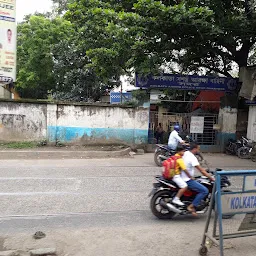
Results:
<point x="228" y="119"/>
<point x="22" y="121"/>
<point x="72" y="123"/>
<point x="251" y="129"/>
<point x="97" y="117"/>
<point x="4" y="94"/>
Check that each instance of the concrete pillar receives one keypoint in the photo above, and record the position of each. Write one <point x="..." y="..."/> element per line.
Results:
<point x="251" y="129"/>
<point x="228" y="122"/>
<point x="52" y="123"/>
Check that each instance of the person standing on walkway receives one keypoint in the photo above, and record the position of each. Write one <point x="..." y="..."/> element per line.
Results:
<point x="159" y="134"/>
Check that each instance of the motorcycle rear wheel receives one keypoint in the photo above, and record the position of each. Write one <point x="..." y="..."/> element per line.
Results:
<point x="157" y="209"/>
<point x="243" y="153"/>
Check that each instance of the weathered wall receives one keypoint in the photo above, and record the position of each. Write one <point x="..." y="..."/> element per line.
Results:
<point x="21" y="121"/>
<point x="4" y="94"/>
<point x="247" y="75"/>
<point x="228" y="122"/>
<point x="251" y="129"/>
<point x="96" y="124"/>
<point x="242" y="121"/>
<point x="86" y="124"/>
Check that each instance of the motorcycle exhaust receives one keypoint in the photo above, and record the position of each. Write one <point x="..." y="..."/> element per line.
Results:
<point x="170" y="207"/>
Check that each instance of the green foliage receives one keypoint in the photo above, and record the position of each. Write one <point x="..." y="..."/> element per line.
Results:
<point x="141" y="96"/>
<point x="22" y="145"/>
<point x="36" y="37"/>
<point x="52" y="64"/>
<point x="83" y="52"/>
<point x="145" y="35"/>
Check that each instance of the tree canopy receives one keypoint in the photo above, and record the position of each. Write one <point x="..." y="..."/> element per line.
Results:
<point x="86" y="45"/>
<point x="36" y="36"/>
<point x="50" y="63"/>
<point x="147" y="35"/>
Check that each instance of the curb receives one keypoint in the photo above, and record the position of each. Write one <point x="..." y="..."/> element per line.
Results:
<point x="23" y="154"/>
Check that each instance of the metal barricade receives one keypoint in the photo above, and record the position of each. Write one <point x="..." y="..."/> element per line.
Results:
<point x="236" y="209"/>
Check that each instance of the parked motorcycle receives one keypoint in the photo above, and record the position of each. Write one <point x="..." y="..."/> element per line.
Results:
<point x="253" y="152"/>
<point x="163" y="152"/>
<point x="245" y="150"/>
<point x="164" y="191"/>
<point x="232" y="146"/>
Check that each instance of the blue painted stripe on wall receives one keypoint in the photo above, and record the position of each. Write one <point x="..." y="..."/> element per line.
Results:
<point x="67" y="134"/>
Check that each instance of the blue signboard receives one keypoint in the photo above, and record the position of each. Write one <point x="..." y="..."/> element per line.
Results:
<point x="115" y="97"/>
<point x="187" y="82"/>
<point x="250" y="102"/>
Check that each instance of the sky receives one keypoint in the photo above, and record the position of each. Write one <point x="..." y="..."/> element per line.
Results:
<point x="25" y="7"/>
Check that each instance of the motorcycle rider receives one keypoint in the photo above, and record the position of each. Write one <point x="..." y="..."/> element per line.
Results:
<point x="174" y="138"/>
<point x="192" y="163"/>
<point x="178" y="168"/>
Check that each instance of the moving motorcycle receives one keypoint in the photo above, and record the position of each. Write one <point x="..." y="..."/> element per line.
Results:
<point x="163" y="152"/>
<point x="164" y="191"/>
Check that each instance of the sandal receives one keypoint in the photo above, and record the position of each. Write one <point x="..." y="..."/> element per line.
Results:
<point x="192" y="210"/>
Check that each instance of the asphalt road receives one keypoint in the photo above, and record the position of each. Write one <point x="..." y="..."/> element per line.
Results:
<point x="78" y="202"/>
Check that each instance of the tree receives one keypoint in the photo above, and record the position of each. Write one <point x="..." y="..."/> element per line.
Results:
<point x="36" y="37"/>
<point x="147" y="35"/>
<point x="74" y="81"/>
<point x="61" y="5"/>
<point x="51" y="64"/>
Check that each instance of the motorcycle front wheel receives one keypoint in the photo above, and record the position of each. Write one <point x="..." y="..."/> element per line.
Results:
<point x="156" y="207"/>
<point x="199" y="157"/>
<point x="157" y="158"/>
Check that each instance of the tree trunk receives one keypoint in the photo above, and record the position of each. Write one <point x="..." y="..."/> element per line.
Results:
<point x="242" y="55"/>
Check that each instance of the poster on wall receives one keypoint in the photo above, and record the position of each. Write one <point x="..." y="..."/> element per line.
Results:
<point x="8" y="34"/>
<point x="197" y="124"/>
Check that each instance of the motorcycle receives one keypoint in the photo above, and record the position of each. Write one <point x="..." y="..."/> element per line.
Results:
<point x="244" y="152"/>
<point x="232" y="146"/>
<point x="163" y="152"/>
<point x="164" y="191"/>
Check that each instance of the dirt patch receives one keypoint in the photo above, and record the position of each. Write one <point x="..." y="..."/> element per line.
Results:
<point x="33" y="147"/>
<point x="2" y="243"/>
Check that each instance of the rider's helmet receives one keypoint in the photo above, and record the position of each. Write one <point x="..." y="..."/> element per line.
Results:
<point x="176" y="127"/>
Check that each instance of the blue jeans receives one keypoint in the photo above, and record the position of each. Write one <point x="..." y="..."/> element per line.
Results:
<point x="202" y="191"/>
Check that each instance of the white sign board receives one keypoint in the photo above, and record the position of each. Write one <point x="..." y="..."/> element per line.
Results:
<point x="197" y="124"/>
<point x="250" y="183"/>
<point x="7" y="41"/>
<point x="238" y="203"/>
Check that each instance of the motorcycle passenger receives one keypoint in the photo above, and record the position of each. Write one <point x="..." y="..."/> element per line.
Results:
<point x="174" y="138"/>
<point x="191" y="163"/>
<point x="179" y="167"/>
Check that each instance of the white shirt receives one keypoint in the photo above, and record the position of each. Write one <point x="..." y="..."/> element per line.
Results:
<point x="174" y="140"/>
<point x="190" y="161"/>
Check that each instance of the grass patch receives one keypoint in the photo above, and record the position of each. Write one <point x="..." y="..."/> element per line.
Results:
<point x="20" y="145"/>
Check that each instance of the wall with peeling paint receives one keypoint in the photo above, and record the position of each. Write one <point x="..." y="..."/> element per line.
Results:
<point x="22" y="122"/>
<point x="251" y="130"/>
<point x="74" y="123"/>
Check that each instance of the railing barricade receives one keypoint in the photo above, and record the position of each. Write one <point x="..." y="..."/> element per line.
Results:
<point x="234" y="209"/>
